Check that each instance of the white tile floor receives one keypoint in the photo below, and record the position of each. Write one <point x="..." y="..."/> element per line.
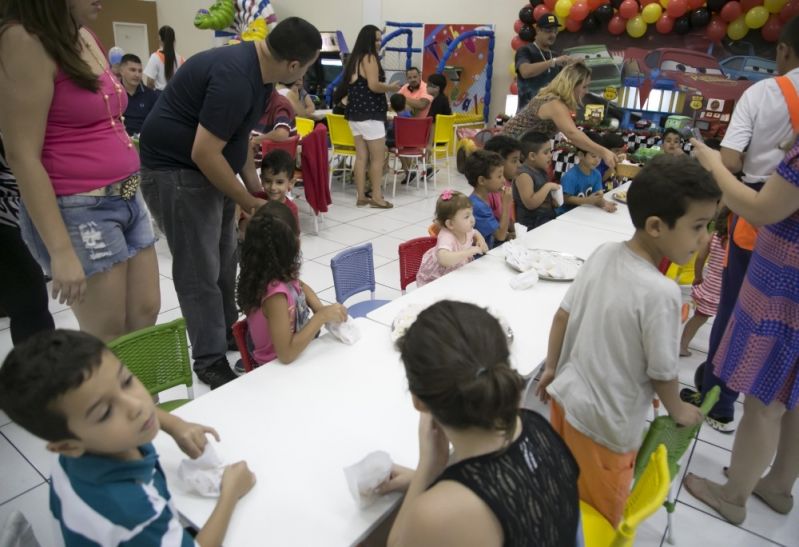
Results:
<point x="25" y="463"/>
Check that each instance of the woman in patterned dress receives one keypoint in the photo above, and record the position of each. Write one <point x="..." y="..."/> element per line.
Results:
<point x="759" y="354"/>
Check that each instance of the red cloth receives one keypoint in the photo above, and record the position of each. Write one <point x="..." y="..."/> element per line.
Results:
<point x="315" y="169"/>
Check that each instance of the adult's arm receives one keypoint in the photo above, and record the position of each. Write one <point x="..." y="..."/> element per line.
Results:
<point x="739" y="132"/>
<point x="372" y="73"/>
<point x="556" y="111"/>
<point x="249" y="174"/>
<point x="26" y="90"/>
<point x="530" y="64"/>
<point x="417" y="104"/>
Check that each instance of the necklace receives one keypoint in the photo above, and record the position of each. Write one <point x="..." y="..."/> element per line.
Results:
<point x="544" y="57"/>
<point x="124" y="137"/>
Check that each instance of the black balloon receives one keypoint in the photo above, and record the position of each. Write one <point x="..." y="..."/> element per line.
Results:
<point x="535" y="3"/>
<point x="716" y="5"/>
<point x="591" y="23"/>
<point x="604" y="13"/>
<point x="700" y="18"/>
<point x="615" y="3"/>
<point x="682" y="25"/>
<point x="526" y="14"/>
<point x="527" y="33"/>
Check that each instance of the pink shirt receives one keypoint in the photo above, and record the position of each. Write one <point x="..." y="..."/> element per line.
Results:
<point x="258" y="326"/>
<point x="420" y="93"/>
<point x="430" y="269"/>
<point x="81" y="150"/>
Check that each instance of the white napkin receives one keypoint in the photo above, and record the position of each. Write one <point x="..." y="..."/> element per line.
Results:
<point x="520" y="229"/>
<point x="364" y="477"/>
<point x="203" y="475"/>
<point x="524" y="280"/>
<point x="517" y="256"/>
<point x="347" y="332"/>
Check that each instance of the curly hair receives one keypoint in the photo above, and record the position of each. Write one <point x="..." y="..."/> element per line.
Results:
<point x="271" y="252"/>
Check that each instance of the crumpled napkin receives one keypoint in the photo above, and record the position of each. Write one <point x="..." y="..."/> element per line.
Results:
<point x="347" y="332"/>
<point x="204" y="475"/>
<point x="364" y="477"/>
<point x="524" y="280"/>
<point x="520" y="229"/>
<point x="517" y="256"/>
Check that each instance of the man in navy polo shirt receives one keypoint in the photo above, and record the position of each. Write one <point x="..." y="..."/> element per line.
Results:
<point x="141" y="98"/>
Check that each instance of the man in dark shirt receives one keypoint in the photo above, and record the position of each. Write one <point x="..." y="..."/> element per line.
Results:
<point x="193" y="145"/>
<point x="536" y="63"/>
<point x="141" y="98"/>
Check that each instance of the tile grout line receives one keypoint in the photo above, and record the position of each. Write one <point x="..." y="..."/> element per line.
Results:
<point x="2" y="503"/>
<point x="24" y="457"/>
<point x="719" y="518"/>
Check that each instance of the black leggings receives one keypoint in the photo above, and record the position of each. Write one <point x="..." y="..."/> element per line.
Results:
<point x="23" y="292"/>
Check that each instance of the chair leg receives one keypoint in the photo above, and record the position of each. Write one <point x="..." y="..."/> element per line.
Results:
<point x="448" y="170"/>
<point x="424" y="174"/>
<point x="394" y="187"/>
<point x="190" y="390"/>
<point x="670" y="505"/>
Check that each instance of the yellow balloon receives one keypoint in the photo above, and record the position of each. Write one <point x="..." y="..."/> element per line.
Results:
<point x="664" y="3"/>
<point x="756" y="17"/>
<point x="512" y="69"/>
<point x="562" y="8"/>
<point x="636" y="26"/>
<point x="737" y="29"/>
<point x="561" y="23"/>
<point x="774" y="6"/>
<point x="651" y="13"/>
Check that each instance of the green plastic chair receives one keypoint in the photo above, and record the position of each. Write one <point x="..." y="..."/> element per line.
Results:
<point x="159" y="357"/>
<point x="677" y="439"/>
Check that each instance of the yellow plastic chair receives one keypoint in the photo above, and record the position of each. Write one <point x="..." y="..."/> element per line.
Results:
<point x="646" y="498"/>
<point x="343" y="145"/>
<point x="304" y="126"/>
<point x="159" y="357"/>
<point x="442" y="138"/>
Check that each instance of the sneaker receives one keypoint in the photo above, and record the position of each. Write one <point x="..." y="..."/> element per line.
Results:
<point x="688" y="395"/>
<point x="238" y="368"/>
<point x="216" y="374"/>
<point x="722" y="425"/>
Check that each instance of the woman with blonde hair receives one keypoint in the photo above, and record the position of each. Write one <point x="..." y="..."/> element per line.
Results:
<point x="552" y="109"/>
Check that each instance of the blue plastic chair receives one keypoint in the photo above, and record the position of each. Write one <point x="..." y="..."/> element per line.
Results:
<point x="354" y="272"/>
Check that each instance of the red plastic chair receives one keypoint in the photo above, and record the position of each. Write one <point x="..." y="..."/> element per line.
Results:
<point x="240" y="334"/>
<point x="411" y="137"/>
<point x="410" y="258"/>
<point x="289" y="146"/>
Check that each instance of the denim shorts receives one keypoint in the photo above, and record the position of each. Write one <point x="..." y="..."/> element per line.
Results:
<point x="104" y="230"/>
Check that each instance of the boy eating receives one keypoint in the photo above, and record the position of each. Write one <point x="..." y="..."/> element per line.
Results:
<point x="484" y="172"/>
<point x="531" y="191"/>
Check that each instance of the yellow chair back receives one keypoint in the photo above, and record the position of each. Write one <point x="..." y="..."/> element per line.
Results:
<point x="304" y="126"/>
<point x="443" y="132"/>
<point x="340" y="134"/>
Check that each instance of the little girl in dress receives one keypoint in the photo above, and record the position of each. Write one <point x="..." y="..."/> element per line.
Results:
<point x="458" y="241"/>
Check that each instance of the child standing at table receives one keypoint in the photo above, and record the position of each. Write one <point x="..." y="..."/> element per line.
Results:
<point x="532" y="194"/>
<point x="706" y="291"/>
<point x="510" y="479"/>
<point x="484" y="172"/>
<point x="107" y="487"/>
<point x="602" y="375"/>
<point x="277" y="304"/>
<point x="458" y="242"/>
<point x="672" y="142"/>
<point x="582" y="184"/>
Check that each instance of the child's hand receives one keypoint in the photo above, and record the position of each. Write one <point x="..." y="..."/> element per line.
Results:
<point x="237" y="480"/>
<point x="551" y="186"/>
<point x="476" y="250"/>
<point x="543" y="382"/>
<point x="191" y="437"/>
<point x="398" y="481"/>
<point x="334" y="313"/>
<point x="507" y="196"/>
<point x="687" y="415"/>
<point x="609" y="206"/>
<point x="482" y="245"/>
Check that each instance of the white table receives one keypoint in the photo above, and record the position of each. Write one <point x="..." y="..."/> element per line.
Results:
<point x="298" y="426"/>
<point x="594" y="217"/>
<point x="486" y="282"/>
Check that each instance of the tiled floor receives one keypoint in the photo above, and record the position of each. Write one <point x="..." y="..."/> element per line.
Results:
<point x="25" y="462"/>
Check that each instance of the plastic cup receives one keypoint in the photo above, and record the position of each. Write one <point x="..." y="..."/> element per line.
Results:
<point x="557" y="195"/>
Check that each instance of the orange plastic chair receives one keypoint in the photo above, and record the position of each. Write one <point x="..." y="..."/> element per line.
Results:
<point x="289" y="146"/>
<point x="410" y="258"/>
<point x="411" y="136"/>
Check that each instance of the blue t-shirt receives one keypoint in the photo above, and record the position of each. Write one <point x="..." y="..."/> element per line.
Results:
<point x="139" y="106"/>
<point x="484" y="220"/>
<point x="578" y="184"/>
<point x="223" y="90"/>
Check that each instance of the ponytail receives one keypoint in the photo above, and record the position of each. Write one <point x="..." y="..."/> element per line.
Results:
<point x="167" y="35"/>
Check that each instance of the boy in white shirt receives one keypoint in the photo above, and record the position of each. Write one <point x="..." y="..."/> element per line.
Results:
<point x="602" y="374"/>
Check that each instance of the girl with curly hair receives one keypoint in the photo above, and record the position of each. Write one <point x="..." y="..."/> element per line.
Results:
<point x="277" y="304"/>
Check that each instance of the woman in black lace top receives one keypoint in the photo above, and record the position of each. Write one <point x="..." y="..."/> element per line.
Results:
<point x="510" y="480"/>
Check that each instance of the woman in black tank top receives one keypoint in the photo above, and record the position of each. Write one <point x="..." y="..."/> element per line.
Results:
<point x="510" y="480"/>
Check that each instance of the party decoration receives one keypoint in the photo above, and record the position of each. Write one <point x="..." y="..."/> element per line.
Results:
<point x="677" y="8"/>
<point x="540" y="11"/>
<point x="756" y="17"/>
<point x="550" y="4"/>
<point x="772" y="29"/>
<point x="628" y="9"/>
<point x="746" y="5"/>
<point x="715" y="5"/>
<point x="716" y="29"/>
<point x="790" y="10"/>
<point x="579" y="11"/>
<point x="636" y="27"/>
<point x="682" y="25"/>
<point x="700" y="18"/>
<point x="516" y="43"/>
<point x="616" y="3"/>
<point x="517" y="26"/>
<point x="572" y="25"/>
<point x="217" y="17"/>
<point x="591" y="23"/>
<point x="563" y="7"/>
<point x="664" y="3"/>
<point x="731" y="11"/>
<point x="695" y="4"/>
<point x="526" y="15"/>
<point x="514" y="88"/>
<point x="651" y="13"/>
<point x="617" y="25"/>
<point x="535" y="3"/>
<point x="774" y="6"/>
<point x="665" y="24"/>
<point x="605" y="13"/>
<point x="737" y="29"/>
<point x="527" y="33"/>
<point x="594" y="4"/>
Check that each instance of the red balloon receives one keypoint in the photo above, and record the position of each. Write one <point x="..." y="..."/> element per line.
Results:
<point x="716" y="29"/>
<point x="617" y="25"/>
<point x="550" y="4"/>
<point x="695" y="4"/>
<point x="665" y="24"/>
<point x="629" y="9"/>
<point x="514" y="88"/>
<point x="594" y="4"/>
<point x="517" y="26"/>
<point x="789" y="11"/>
<point x="516" y="42"/>
<point x="771" y="30"/>
<point x="540" y="10"/>
<point x="578" y="12"/>
<point x="677" y="8"/>
<point x="572" y="25"/>
<point x="731" y="11"/>
<point x="746" y="5"/>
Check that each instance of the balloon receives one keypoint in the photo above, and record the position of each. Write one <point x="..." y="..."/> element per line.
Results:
<point x="516" y="43"/>
<point x="591" y="23"/>
<point x="115" y="55"/>
<point x="526" y="15"/>
<point x="563" y="7"/>
<point x="664" y="3"/>
<point x="517" y="26"/>
<point x="771" y="30"/>
<point x="716" y="29"/>
<point x="651" y="13"/>
<point x="756" y="17"/>
<point x="550" y="4"/>
<point x="572" y="25"/>
<point x="665" y="24"/>
<point x="636" y="27"/>
<point x="695" y="4"/>
<point x="682" y="25"/>
<point x="715" y="5"/>
<point x="700" y="18"/>
<point x="514" y="88"/>
<point x="677" y="8"/>
<point x="737" y="29"/>
<point x="746" y="5"/>
<point x="616" y="25"/>
<point x="628" y="9"/>
<point x="731" y="11"/>
<point x="579" y="11"/>
<point x="535" y="3"/>
<point x="540" y="11"/>
<point x="790" y="10"/>
<point x="605" y="13"/>
<point x="594" y="4"/>
<point x="774" y="6"/>
<point x="616" y="3"/>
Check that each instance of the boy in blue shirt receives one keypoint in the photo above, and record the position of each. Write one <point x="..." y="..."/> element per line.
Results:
<point x="107" y="487"/>
<point x="484" y="172"/>
<point x="582" y="184"/>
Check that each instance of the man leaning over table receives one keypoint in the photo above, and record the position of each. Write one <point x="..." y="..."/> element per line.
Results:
<point x="193" y="145"/>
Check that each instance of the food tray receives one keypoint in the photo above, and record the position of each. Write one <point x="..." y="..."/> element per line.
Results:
<point x="569" y="264"/>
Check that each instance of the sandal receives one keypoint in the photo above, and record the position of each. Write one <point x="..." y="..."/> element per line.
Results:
<point x="363" y="202"/>
<point x="384" y="205"/>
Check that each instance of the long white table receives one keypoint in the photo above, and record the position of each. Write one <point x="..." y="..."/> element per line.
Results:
<point x="298" y="426"/>
<point x="485" y="282"/>
<point x="596" y="218"/>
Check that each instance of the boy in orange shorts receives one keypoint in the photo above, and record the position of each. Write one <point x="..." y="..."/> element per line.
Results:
<point x="613" y="346"/>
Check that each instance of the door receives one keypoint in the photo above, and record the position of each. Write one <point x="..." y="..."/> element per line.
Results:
<point x="132" y="38"/>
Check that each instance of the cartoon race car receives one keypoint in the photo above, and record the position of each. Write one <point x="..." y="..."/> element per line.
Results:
<point x="604" y="70"/>
<point x="747" y="67"/>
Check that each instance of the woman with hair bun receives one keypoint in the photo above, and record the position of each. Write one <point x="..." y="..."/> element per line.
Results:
<point x="509" y="480"/>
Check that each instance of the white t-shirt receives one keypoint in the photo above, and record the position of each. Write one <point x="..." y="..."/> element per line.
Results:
<point x="760" y="124"/>
<point x="623" y="332"/>
<point x="155" y="69"/>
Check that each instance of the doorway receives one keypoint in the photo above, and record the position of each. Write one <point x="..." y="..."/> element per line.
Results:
<point x="132" y="38"/>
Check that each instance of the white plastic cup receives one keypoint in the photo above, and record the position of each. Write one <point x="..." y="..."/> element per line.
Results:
<point x="557" y="195"/>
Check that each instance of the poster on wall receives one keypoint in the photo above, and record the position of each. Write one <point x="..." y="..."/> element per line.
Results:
<point x="466" y="68"/>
